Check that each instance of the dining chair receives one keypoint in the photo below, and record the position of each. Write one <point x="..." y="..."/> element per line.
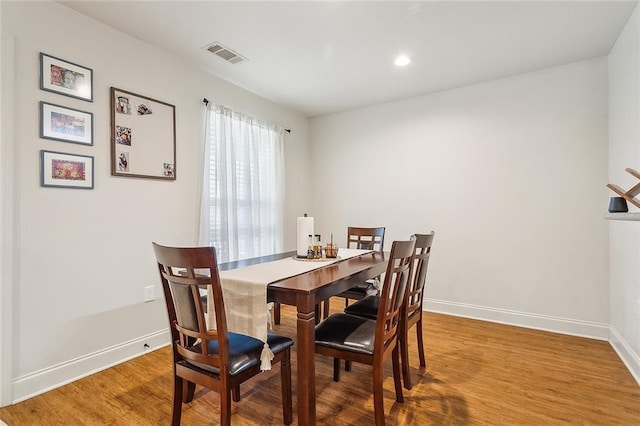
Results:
<point x="412" y="309"/>
<point x="216" y="359"/>
<point x="364" y="239"/>
<point x="357" y="339"/>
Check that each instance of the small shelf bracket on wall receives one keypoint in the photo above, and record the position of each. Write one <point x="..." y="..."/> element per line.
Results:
<point x="630" y="194"/>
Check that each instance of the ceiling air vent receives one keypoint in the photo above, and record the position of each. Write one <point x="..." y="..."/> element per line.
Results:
<point x="225" y="53"/>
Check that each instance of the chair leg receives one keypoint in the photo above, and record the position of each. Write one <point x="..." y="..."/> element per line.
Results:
<point x="318" y="316"/>
<point x="403" y="344"/>
<point x="336" y="369"/>
<point x="235" y="393"/>
<point x="346" y="303"/>
<point x="347" y="365"/>
<point x="395" y="355"/>
<point x="423" y="362"/>
<point x="225" y="407"/>
<point x="188" y="391"/>
<point x="325" y="308"/>
<point x="176" y="412"/>
<point x="276" y="313"/>
<point x="285" y="379"/>
<point x="378" y="398"/>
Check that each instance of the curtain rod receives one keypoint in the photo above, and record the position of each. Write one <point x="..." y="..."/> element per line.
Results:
<point x="206" y="102"/>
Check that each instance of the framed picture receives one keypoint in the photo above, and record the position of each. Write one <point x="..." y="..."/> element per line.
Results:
<point x="63" y="170"/>
<point x="143" y="136"/>
<point x="66" y="124"/>
<point x="66" y="78"/>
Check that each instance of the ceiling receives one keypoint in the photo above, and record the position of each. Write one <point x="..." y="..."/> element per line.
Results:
<point x="320" y="57"/>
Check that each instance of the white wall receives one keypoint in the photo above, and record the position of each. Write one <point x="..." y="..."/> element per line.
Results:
<point x="511" y="176"/>
<point x="83" y="257"/>
<point x="624" y="152"/>
<point x="6" y="217"/>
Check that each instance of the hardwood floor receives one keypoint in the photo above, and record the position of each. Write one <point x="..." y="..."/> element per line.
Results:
<point x="477" y="373"/>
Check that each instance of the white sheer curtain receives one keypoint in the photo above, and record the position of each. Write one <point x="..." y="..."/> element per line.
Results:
<point x="242" y="201"/>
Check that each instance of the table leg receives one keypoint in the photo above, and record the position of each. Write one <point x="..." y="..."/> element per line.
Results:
<point x="306" y="339"/>
<point x="277" y="313"/>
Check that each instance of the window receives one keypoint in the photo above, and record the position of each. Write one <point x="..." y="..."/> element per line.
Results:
<point x="243" y="186"/>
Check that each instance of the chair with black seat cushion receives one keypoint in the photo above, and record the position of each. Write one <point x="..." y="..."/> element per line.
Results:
<point x="412" y="310"/>
<point x="363" y="239"/>
<point x="216" y="359"/>
<point x="372" y="342"/>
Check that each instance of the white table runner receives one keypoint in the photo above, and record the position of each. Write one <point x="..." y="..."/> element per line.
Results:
<point x="245" y="294"/>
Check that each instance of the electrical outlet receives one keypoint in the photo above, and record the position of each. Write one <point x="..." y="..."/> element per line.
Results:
<point x="149" y="293"/>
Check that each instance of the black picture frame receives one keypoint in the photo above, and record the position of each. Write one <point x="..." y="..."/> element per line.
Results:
<point x="66" y="124"/>
<point x="65" y="78"/>
<point x="66" y="170"/>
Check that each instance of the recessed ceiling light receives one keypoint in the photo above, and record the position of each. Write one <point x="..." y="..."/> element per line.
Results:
<point x="402" y="60"/>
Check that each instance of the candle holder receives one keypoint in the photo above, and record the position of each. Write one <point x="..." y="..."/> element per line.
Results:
<point x="331" y="250"/>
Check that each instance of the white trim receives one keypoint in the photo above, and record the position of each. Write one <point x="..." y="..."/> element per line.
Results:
<point x="630" y="359"/>
<point x="7" y="97"/>
<point x="572" y="327"/>
<point x="39" y="382"/>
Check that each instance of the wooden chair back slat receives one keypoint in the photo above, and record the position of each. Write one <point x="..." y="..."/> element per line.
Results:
<point x="393" y="292"/>
<point x="415" y="294"/>
<point x="365" y="238"/>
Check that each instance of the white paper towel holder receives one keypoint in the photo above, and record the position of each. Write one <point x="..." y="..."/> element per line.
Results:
<point x="302" y="235"/>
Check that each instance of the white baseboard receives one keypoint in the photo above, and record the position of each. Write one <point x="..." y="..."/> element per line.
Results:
<point x="626" y="354"/>
<point x="33" y="384"/>
<point x="588" y="329"/>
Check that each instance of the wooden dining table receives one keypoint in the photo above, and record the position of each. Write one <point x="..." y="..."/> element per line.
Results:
<point x="305" y="291"/>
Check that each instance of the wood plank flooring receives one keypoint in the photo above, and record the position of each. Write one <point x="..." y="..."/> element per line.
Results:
<point x="478" y="373"/>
